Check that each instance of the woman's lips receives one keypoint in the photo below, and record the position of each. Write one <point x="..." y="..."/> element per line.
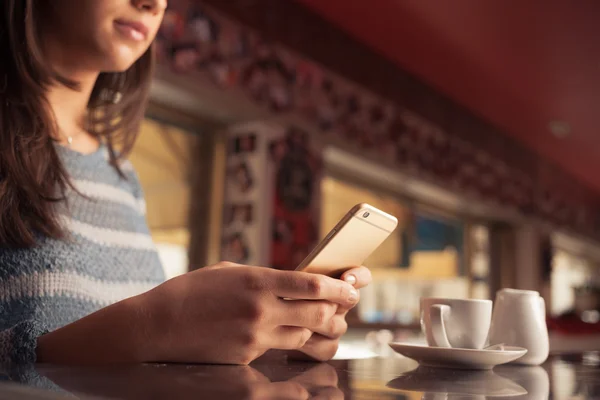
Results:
<point x="132" y="30"/>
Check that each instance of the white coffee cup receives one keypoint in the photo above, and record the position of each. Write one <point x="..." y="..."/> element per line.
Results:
<point x="458" y="323"/>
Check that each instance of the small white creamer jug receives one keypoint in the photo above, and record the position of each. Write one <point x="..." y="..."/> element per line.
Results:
<point x="519" y="319"/>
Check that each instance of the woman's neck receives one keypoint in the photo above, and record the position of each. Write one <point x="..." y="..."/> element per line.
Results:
<point x="70" y="110"/>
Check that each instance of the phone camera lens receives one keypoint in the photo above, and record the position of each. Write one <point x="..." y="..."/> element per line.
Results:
<point x="366" y="214"/>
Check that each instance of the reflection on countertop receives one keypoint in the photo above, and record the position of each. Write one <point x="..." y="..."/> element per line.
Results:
<point x="562" y="377"/>
<point x="441" y="384"/>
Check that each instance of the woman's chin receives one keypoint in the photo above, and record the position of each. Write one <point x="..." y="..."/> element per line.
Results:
<point x="120" y="60"/>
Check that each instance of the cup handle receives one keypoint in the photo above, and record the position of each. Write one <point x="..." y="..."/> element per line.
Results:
<point x="437" y="314"/>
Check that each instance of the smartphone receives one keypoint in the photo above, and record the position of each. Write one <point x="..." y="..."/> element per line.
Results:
<point x="350" y="242"/>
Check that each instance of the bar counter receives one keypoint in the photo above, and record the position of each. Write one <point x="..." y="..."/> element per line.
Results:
<point x="565" y="376"/>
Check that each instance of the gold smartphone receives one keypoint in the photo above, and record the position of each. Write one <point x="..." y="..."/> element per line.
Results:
<point x="350" y="242"/>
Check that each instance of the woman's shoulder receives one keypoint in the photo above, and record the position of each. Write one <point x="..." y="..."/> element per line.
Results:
<point x="102" y="177"/>
<point x="131" y="177"/>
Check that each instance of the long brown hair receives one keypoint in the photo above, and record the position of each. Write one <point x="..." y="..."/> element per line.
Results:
<point x="32" y="176"/>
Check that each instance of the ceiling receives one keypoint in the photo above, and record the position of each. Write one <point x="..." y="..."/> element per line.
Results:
<point x="519" y="65"/>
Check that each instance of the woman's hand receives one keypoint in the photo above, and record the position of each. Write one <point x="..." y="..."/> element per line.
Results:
<point x="232" y="314"/>
<point x="323" y="344"/>
<point x="224" y="314"/>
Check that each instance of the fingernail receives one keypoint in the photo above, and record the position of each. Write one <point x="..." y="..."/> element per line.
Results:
<point x="353" y="295"/>
<point x="351" y="279"/>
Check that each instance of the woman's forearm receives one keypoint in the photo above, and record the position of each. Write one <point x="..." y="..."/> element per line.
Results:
<point x="119" y="333"/>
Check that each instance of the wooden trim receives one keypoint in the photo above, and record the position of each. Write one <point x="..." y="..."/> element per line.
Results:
<point x="297" y="27"/>
<point x="217" y="194"/>
<point x="178" y="117"/>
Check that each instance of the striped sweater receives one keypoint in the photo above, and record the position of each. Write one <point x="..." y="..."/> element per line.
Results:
<point x="108" y="256"/>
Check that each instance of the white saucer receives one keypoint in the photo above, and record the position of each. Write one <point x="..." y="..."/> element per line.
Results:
<point x="440" y="357"/>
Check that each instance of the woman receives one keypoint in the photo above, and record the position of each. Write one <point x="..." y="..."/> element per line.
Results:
<point x="80" y="280"/>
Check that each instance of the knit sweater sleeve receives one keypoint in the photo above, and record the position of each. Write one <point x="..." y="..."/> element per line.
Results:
<point x="17" y="357"/>
<point x="18" y="344"/>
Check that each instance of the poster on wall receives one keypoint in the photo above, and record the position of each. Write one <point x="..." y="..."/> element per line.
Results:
<point x="242" y="192"/>
<point x="272" y="195"/>
<point x="294" y="169"/>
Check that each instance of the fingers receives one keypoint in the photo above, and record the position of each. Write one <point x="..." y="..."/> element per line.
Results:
<point x="318" y="347"/>
<point x="293" y="336"/>
<point x="328" y="393"/>
<point x="358" y="277"/>
<point x="335" y="328"/>
<point x="318" y="316"/>
<point x="289" y="337"/>
<point x="306" y="286"/>
<point x="311" y="314"/>
<point x="343" y="310"/>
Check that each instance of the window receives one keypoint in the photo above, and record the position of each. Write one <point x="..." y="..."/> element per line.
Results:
<point x="424" y="244"/>
<point x="339" y="197"/>
<point x="161" y="157"/>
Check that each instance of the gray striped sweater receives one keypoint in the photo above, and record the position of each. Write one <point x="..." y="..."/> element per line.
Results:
<point x="108" y="256"/>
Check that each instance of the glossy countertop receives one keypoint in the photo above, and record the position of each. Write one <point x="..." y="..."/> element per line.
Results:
<point x="567" y="376"/>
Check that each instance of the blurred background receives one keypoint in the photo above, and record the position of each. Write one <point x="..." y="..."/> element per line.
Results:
<point x="474" y="122"/>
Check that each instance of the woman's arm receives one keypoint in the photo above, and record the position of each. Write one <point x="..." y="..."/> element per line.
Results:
<point x="119" y="333"/>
